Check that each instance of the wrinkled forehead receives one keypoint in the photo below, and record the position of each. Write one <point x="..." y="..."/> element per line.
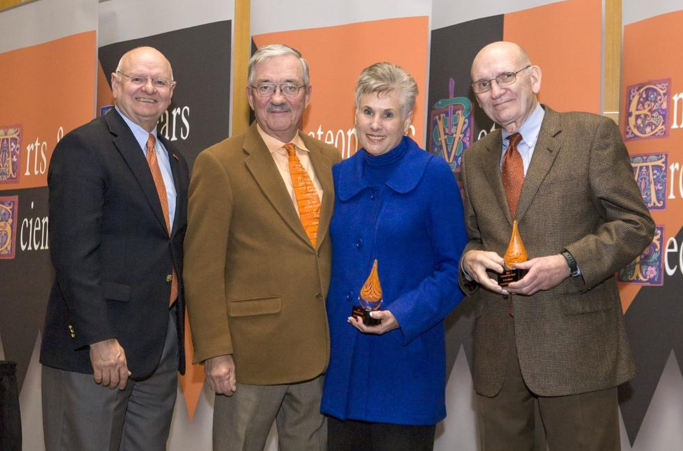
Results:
<point x="279" y="69"/>
<point x="490" y="63"/>
<point x="147" y="63"/>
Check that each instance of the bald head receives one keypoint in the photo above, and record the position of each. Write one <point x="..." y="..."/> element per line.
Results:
<point x="142" y="53"/>
<point x="514" y="83"/>
<point x="499" y="49"/>
<point x="143" y="86"/>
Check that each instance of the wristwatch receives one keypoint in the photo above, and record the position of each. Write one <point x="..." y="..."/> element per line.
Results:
<point x="573" y="267"/>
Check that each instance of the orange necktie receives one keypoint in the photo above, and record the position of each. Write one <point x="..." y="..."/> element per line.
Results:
<point x="306" y="196"/>
<point x="513" y="179"/>
<point x="161" y="191"/>
<point x="513" y="173"/>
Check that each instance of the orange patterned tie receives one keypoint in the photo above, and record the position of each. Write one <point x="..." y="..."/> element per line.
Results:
<point x="513" y="173"/>
<point x="161" y="191"/>
<point x="513" y="179"/>
<point x="306" y="196"/>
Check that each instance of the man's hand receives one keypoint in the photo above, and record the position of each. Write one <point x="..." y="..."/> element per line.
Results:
<point x="109" y="364"/>
<point x="476" y="263"/>
<point x="544" y="273"/>
<point x="388" y="323"/>
<point x="220" y="373"/>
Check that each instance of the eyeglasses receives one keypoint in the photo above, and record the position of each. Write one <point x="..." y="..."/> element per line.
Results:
<point x="268" y="89"/>
<point x="140" y="80"/>
<point x="504" y="79"/>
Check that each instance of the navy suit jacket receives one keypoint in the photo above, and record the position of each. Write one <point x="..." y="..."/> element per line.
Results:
<point x="111" y="250"/>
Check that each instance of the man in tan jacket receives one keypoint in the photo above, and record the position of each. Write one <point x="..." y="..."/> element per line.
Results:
<point x="258" y="265"/>
<point x="555" y="337"/>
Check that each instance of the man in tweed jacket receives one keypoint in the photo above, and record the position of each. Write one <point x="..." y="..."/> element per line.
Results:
<point x="582" y="218"/>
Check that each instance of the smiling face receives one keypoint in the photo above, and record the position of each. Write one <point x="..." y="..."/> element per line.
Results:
<point x="380" y="124"/>
<point x="508" y="106"/>
<point x="142" y="104"/>
<point x="278" y="115"/>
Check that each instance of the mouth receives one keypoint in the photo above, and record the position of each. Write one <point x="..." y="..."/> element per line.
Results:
<point x="375" y="138"/>
<point x="145" y="100"/>
<point x="278" y="110"/>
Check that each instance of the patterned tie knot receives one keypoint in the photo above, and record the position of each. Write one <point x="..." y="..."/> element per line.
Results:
<point x="514" y="139"/>
<point x="291" y="149"/>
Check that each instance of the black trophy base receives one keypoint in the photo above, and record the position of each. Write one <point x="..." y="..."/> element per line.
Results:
<point x="361" y="313"/>
<point x="511" y="275"/>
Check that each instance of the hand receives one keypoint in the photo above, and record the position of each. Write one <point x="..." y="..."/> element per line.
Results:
<point x="388" y="323"/>
<point x="544" y="273"/>
<point x="476" y="263"/>
<point x="220" y="374"/>
<point x="109" y="364"/>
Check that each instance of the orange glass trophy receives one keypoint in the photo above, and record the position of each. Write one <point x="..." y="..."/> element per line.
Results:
<point x="515" y="253"/>
<point x="370" y="298"/>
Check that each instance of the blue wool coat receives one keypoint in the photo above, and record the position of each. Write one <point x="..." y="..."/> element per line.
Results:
<point x="413" y="225"/>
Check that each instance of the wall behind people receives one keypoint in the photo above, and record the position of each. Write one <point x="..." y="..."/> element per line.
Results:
<point x="53" y="73"/>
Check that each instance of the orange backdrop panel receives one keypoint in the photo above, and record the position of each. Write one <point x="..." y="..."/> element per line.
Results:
<point x="651" y="53"/>
<point x="564" y="39"/>
<point x="46" y="88"/>
<point x="336" y="55"/>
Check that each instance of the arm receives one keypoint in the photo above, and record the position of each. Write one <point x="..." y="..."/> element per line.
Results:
<point x="436" y="296"/>
<point x="77" y="182"/>
<point x="475" y="260"/>
<point x="626" y="226"/>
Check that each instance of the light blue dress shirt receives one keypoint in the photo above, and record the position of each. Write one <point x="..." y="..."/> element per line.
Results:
<point x="529" y="130"/>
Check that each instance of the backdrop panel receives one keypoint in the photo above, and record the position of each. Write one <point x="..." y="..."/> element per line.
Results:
<point x="652" y="124"/>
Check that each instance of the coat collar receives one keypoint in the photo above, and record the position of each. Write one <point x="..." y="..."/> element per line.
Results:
<point x="406" y="178"/>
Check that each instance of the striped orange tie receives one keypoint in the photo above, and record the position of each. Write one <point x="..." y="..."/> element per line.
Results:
<point x="161" y="191"/>
<point x="306" y="195"/>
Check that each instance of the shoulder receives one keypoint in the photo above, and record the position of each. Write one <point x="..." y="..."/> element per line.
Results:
<point x="227" y="150"/>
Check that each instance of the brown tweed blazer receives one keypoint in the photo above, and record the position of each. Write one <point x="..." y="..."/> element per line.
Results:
<point x="254" y="284"/>
<point x="579" y="194"/>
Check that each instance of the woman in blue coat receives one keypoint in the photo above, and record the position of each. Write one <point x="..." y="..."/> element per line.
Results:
<point x="399" y="205"/>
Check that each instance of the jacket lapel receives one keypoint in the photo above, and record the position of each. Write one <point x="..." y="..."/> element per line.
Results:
<point x="129" y="148"/>
<point x="174" y="161"/>
<point x="491" y="167"/>
<point x="323" y="171"/>
<point x="545" y="152"/>
<point x="262" y="167"/>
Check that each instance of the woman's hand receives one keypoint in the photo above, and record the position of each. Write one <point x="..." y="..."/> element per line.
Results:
<point x="388" y="323"/>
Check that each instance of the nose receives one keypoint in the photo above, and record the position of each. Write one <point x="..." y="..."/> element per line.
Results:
<point x="375" y="122"/>
<point x="149" y="86"/>
<point x="496" y="89"/>
<point x="277" y="96"/>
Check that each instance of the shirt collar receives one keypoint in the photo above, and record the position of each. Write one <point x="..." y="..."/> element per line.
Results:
<point x="141" y="135"/>
<point x="530" y="129"/>
<point x="274" y="144"/>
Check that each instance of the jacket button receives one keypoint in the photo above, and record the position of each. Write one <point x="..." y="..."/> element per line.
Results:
<point x="372" y="196"/>
<point x="319" y="296"/>
<point x="320" y="254"/>
<point x="349" y="296"/>
<point x="169" y="278"/>
<point x="359" y="244"/>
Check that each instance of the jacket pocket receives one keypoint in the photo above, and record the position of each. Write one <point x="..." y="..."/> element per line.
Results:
<point x="116" y="291"/>
<point x="251" y="307"/>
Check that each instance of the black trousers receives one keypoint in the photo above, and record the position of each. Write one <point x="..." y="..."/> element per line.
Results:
<point x="352" y="435"/>
<point x="10" y="417"/>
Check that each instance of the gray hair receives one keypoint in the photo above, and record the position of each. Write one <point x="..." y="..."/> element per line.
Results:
<point x="271" y="51"/>
<point x="385" y="77"/>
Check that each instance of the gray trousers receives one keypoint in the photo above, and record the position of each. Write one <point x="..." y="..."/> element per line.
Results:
<point x="242" y="421"/>
<point x="80" y="415"/>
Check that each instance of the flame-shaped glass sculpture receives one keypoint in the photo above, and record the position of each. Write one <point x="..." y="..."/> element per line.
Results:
<point x="515" y="253"/>
<point x="370" y="298"/>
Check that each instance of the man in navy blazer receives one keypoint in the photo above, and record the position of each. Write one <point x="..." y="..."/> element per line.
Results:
<point x="113" y="336"/>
